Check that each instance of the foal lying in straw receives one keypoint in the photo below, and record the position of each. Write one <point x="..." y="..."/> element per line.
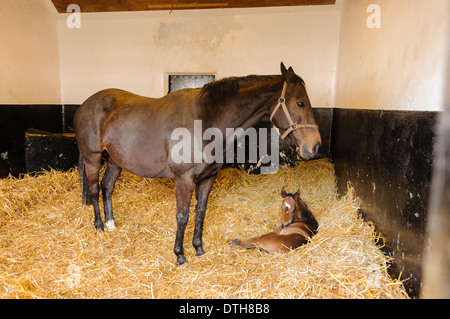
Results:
<point x="298" y="224"/>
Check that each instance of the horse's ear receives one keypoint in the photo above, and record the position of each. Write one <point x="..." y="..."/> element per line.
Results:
<point x="283" y="70"/>
<point x="297" y="195"/>
<point x="288" y="74"/>
<point x="283" y="192"/>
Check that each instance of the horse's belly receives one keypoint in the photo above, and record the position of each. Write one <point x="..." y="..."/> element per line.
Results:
<point x="141" y="154"/>
<point x="149" y="166"/>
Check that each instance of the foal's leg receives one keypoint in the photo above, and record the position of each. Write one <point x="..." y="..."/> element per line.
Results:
<point x="184" y="186"/>
<point x="270" y="242"/>
<point x="245" y="243"/>
<point x="111" y="175"/>
<point x="202" y="191"/>
<point x="92" y="167"/>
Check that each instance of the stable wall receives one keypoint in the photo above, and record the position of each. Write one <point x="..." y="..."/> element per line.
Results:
<point x="30" y="86"/>
<point x="136" y="50"/>
<point x="29" y="53"/>
<point x="399" y="66"/>
<point x="389" y="92"/>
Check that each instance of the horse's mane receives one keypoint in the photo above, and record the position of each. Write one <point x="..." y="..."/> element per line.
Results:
<point x="221" y="89"/>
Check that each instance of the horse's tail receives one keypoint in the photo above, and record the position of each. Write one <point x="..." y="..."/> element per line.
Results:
<point x="83" y="182"/>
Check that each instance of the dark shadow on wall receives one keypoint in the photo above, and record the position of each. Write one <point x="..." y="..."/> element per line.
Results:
<point x="387" y="156"/>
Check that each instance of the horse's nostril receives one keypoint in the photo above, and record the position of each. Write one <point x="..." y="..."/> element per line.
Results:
<point x="316" y="148"/>
<point x="307" y="154"/>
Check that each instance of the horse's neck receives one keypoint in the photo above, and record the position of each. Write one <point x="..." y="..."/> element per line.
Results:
<point x="250" y="105"/>
<point x="301" y="213"/>
<point x="289" y="220"/>
<point x="304" y="215"/>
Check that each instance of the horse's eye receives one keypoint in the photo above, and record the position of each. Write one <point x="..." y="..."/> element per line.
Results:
<point x="300" y="104"/>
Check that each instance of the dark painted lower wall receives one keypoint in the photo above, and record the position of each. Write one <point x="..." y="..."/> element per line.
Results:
<point x="387" y="156"/>
<point x="15" y="120"/>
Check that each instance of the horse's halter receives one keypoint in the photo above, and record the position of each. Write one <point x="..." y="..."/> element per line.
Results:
<point x="292" y="126"/>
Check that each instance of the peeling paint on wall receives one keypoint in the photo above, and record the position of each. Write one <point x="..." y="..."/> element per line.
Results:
<point x="206" y="33"/>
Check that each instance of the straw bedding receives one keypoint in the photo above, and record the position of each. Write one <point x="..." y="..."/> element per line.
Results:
<point x="49" y="248"/>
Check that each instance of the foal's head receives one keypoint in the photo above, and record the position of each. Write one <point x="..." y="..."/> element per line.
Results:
<point x="294" y="209"/>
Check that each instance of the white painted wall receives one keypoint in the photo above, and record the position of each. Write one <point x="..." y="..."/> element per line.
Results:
<point x="135" y="51"/>
<point x="29" y="56"/>
<point x="344" y="63"/>
<point x="400" y="66"/>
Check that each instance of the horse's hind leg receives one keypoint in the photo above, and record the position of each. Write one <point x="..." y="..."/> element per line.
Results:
<point x="270" y="242"/>
<point x="111" y="175"/>
<point x="92" y="168"/>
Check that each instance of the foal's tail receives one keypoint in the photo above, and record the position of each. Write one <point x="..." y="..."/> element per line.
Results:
<point x="83" y="182"/>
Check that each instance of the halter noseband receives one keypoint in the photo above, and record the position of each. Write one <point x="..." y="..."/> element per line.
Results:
<point x="292" y="126"/>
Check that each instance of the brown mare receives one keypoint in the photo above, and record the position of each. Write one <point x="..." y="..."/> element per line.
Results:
<point x="298" y="224"/>
<point x="135" y="132"/>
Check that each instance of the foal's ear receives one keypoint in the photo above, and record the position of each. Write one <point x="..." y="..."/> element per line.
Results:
<point x="288" y="74"/>
<point x="283" y="192"/>
<point x="297" y="195"/>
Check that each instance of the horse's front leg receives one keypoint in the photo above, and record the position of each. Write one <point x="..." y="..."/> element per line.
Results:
<point x="202" y="190"/>
<point x="184" y="186"/>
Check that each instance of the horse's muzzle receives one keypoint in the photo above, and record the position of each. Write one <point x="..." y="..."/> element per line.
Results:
<point x="307" y="154"/>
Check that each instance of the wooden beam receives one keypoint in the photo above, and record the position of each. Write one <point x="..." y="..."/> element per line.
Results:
<point x="146" y="5"/>
<point x="184" y="6"/>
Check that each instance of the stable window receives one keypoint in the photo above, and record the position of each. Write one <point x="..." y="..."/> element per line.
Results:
<point x="192" y="81"/>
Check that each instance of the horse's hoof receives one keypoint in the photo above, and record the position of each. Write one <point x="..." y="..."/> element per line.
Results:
<point x="181" y="260"/>
<point x="110" y="225"/>
<point x="99" y="226"/>
<point x="233" y="242"/>
<point x="200" y="251"/>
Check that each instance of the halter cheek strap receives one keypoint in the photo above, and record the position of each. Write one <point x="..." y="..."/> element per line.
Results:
<point x="292" y="126"/>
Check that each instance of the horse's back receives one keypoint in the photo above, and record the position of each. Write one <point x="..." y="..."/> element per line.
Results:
<point x="107" y="101"/>
<point x="95" y="108"/>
